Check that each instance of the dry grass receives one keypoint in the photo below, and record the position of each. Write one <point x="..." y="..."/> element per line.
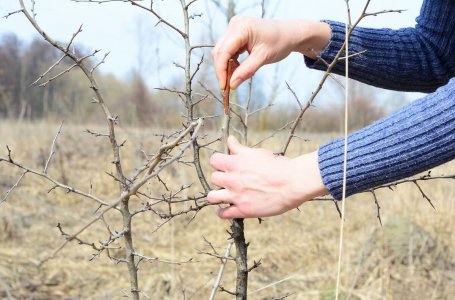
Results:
<point x="411" y="257"/>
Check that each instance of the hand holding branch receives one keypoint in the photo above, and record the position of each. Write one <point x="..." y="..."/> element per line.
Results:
<point x="266" y="41"/>
<point x="258" y="183"/>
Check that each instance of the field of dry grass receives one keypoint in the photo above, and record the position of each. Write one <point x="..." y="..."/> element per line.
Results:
<point x="411" y="257"/>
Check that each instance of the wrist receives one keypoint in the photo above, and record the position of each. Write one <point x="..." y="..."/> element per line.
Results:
<point x="313" y="38"/>
<point x="308" y="182"/>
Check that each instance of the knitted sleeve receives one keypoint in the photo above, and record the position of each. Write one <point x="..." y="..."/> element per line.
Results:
<point x="409" y="59"/>
<point x="414" y="139"/>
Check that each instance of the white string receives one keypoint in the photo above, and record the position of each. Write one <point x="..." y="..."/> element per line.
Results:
<point x="345" y="159"/>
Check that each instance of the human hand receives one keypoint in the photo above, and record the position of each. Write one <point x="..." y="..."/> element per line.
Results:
<point x="266" y="41"/>
<point x="257" y="183"/>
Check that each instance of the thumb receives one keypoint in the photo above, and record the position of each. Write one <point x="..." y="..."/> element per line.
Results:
<point x="235" y="147"/>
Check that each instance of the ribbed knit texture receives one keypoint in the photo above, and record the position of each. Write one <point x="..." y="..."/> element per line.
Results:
<point x="410" y="59"/>
<point x="419" y="136"/>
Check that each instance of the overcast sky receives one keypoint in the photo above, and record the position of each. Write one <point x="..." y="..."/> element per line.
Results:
<point x="120" y="27"/>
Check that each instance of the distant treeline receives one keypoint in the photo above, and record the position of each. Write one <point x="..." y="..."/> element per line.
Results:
<point x="69" y="96"/>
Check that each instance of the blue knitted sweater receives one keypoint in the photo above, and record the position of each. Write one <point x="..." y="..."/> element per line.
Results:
<point x="419" y="136"/>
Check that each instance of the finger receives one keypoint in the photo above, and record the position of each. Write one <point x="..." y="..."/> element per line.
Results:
<point x="221" y="68"/>
<point x="247" y="68"/>
<point x="219" y="46"/>
<point x="230" y="212"/>
<point x="221" y="162"/>
<point x="230" y="48"/>
<point x="222" y="196"/>
<point x="220" y="64"/>
<point x="220" y="179"/>
<point x="235" y="147"/>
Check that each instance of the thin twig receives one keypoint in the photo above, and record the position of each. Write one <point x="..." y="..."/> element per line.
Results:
<point x="12" y="13"/>
<point x="156" y="259"/>
<point x="48" y="70"/>
<point x="295" y="95"/>
<point x="55" y="182"/>
<point x="224" y="260"/>
<point x="8" y="192"/>
<point x="126" y="194"/>
<point x="102" y="61"/>
<point x="58" y="75"/>
<point x="52" y="151"/>
<point x="73" y="37"/>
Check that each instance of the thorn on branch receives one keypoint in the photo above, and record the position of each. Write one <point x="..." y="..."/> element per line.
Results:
<point x="255" y="265"/>
<point x="283" y="297"/>
<point x="428" y="175"/>
<point x="162" y="182"/>
<point x="158" y="23"/>
<point x="377" y="206"/>
<point x="97" y="209"/>
<point x="65" y="235"/>
<point x="32" y="9"/>
<point x="124" y="184"/>
<point x="226" y="291"/>
<point x="96" y="134"/>
<point x="52" y="188"/>
<point x="113" y="119"/>
<point x="179" y="65"/>
<point x="198" y="15"/>
<point x="338" y="208"/>
<point x="9" y="154"/>
<point x="122" y="144"/>
<point x="424" y="195"/>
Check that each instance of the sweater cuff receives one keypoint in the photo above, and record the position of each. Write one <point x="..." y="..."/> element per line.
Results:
<point x="335" y="43"/>
<point x="416" y="138"/>
<point x="326" y="153"/>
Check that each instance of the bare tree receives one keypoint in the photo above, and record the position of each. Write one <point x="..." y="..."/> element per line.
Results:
<point x="172" y="150"/>
<point x="182" y="146"/>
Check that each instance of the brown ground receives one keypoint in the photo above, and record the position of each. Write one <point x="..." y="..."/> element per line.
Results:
<point x="411" y="257"/>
